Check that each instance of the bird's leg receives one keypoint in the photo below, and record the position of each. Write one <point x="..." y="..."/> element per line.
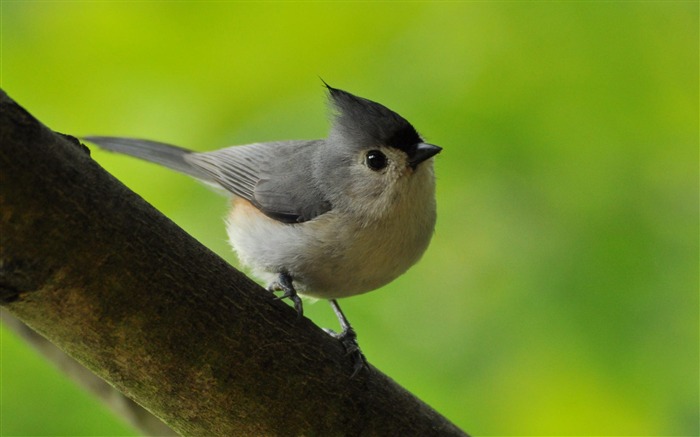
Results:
<point x="284" y="284"/>
<point x="348" y="338"/>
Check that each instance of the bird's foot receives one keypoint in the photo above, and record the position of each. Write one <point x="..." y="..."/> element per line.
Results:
<point x="284" y="284"/>
<point x="348" y="338"/>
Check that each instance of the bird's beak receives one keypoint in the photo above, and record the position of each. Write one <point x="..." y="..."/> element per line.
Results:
<point x="424" y="151"/>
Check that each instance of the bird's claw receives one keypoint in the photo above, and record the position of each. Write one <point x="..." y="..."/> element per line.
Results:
<point x="284" y="284"/>
<point x="296" y="300"/>
<point x="348" y="339"/>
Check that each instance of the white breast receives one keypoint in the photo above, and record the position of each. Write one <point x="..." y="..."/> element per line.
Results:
<point x="338" y="254"/>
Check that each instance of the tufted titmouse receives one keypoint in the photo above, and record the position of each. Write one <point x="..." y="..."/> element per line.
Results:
<point x="326" y="218"/>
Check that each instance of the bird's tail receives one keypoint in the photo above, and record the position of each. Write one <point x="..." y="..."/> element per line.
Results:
<point x="160" y="153"/>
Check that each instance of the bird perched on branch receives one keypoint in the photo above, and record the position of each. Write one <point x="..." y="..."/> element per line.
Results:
<point x="327" y="218"/>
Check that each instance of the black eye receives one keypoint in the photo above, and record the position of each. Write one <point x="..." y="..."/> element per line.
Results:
<point x="376" y="160"/>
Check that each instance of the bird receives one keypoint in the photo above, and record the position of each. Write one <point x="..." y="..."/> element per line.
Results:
<point x="327" y="218"/>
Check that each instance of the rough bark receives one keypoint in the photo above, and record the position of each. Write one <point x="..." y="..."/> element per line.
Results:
<point x="92" y="267"/>
<point x="125" y="408"/>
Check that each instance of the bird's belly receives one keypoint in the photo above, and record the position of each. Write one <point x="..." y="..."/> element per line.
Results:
<point x="326" y="258"/>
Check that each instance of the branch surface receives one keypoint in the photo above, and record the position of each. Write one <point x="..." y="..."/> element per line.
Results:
<point x="125" y="408"/>
<point x="92" y="267"/>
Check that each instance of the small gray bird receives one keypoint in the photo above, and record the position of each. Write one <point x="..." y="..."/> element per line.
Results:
<point x="326" y="218"/>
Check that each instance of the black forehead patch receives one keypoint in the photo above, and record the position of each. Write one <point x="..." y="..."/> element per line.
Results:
<point x="371" y="124"/>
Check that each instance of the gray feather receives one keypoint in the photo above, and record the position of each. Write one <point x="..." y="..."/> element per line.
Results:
<point x="276" y="177"/>
<point x="160" y="153"/>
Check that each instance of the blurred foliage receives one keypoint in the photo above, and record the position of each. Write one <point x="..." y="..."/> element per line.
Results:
<point x="560" y="293"/>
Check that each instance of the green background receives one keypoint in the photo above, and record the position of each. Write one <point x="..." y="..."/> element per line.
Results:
<point x="560" y="292"/>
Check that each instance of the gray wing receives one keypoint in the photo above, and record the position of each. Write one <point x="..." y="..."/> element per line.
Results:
<point x="276" y="177"/>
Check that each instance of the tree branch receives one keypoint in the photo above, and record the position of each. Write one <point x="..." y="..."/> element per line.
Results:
<point x="93" y="268"/>
<point x="140" y="418"/>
